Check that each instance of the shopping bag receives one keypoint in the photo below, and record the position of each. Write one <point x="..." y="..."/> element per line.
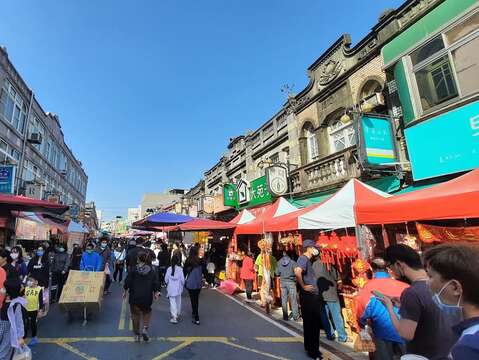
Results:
<point x="22" y="353"/>
<point x="228" y="287"/>
<point x="364" y="342"/>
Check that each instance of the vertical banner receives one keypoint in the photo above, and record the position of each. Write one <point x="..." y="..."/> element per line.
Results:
<point x="7" y="179"/>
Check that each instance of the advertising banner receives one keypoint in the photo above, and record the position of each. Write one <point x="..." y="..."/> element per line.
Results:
<point x="446" y="144"/>
<point x="7" y="179"/>
<point x="377" y="141"/>
<point x="230" y="194"/>
<point x="259" y="192"/>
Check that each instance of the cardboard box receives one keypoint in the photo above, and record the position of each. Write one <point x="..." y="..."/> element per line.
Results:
<point x="83" y="289"/>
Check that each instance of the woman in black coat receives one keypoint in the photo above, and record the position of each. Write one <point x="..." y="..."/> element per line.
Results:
<point x="39" y="267"/>
<point x="142" y="285"/>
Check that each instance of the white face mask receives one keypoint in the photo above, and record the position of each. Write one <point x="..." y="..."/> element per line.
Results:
<point x="14" y="256"/>
<point x="315" y="252"/>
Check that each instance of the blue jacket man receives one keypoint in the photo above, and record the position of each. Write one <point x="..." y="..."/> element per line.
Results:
<point x="91" y="260"/>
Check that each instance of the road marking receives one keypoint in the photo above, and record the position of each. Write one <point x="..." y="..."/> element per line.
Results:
<point x="264" y="317"/>
<point x="237" y="346"/>
<point x="280" y="339"/>
<point x="131" y="339"/>
<point x="172" y="351"/>
<point x="121" y="323"/>
<point x="75" y="351"/>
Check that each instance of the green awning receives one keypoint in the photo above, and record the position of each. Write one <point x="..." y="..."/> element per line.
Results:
<point x="387" y="184"/>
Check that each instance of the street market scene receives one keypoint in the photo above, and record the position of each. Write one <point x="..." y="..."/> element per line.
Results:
<point x="335" y="219"/>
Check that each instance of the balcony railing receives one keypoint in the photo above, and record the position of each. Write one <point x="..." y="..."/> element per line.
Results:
<point x="327" y="171"/>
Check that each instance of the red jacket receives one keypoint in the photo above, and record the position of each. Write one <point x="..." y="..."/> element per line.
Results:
<point x="247" y="270"/>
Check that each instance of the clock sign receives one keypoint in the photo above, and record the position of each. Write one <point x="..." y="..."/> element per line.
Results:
<point x="277" y="179"/>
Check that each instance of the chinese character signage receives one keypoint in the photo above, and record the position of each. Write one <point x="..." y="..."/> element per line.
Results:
<point x="7" y="179"/>
<point x="377" y="141"/>
<point x="259" y="192"/>
<point x="230" y="193"/>
<point x="277" y="179"/>
<point x="446" y="144"/>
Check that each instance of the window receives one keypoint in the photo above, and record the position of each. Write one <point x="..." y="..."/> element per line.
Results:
<point x="274" y="158"/>
<point x="15" y="154"/>
<point x="12" y="107"/>
<point x="447" y="67"/>
<point x="341" y="136"/>
<point x="311" y="142"/>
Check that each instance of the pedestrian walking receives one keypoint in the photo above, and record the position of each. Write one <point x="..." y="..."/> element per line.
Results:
<point x="175" y="282"/>
<point x="104" y="251"/>
<point x="39" y="268"/>
<point x="75" y="257"/>
<point x="422" y="324"/>
<point x="11" y="319"/>
<point x="194" y="267"/>
<point x="18" y="262"/>
<point x="287" y="277"/>
<point x="328" y="282"/>
<point x="141" y="284"/>
<point x="311" y="301"/>
<point x="33" y="295"/>
<point x="60" y="265"/>
<point x="453" y="271"/>
<point x="163" y="262"/>
<point x="371" y="311"/>
<point x="247" y="274"/>
<point x="119" y="255"/>
<point x="210" y="276"/>
<point x="91" y="260"/>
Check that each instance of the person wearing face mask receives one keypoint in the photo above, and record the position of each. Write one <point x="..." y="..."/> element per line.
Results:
<point x="18" y="262"/>
<point x="60" y="265"/>
<point x="104" y="251"/>
<point x="142" y="285"/>
<point x="39" y="267"/>
<point x="310" y="299"/>
<point x="422" y="325"/>
<point x="453" y="278"/>
<point x="33" y="294"/>
<point x="90" y="260"/>
<point x="5" y="264"/>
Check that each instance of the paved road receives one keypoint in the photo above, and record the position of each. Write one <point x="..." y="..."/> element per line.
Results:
<point x="227" y="331"/>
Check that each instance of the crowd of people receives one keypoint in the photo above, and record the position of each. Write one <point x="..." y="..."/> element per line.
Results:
<point x="426" y="305"/>
<point x="31" y="280"/>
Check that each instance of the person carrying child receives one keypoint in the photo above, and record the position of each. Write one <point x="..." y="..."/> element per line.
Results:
<point x="34" y="297"/>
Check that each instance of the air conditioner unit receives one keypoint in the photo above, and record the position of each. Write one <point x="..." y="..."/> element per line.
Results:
<point x="35" y="138"/>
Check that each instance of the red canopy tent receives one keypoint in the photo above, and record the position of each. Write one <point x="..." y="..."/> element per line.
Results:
<point x="22" y="203"/>
<point x="454" y="199"/>
<point x="264" y="214"/>
<point x="204" y="225"/>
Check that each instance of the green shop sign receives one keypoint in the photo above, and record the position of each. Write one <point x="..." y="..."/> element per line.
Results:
<point x="230" y="195"/>
<point x="259" y="193"/>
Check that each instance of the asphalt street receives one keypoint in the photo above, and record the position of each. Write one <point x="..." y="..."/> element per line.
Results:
<point x="227" y="331"/>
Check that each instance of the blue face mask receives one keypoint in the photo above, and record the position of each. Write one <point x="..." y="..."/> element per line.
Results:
<point x="40" y="252"/>
<point x="61" y="250"/>
<point x="452" y="313"/>
<point x="89" y="251"/>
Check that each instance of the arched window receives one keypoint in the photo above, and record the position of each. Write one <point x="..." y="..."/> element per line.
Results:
<point x="311" y="142"/>
<point x="369" y="88"/>
<point x="341" y="136"/>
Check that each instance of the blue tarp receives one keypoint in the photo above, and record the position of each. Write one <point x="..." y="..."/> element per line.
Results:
<point x="165" y="218"/>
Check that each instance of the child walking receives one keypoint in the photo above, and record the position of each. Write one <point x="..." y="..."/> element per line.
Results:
<point x="175" y="280"/>
<point x="34" y="297"/>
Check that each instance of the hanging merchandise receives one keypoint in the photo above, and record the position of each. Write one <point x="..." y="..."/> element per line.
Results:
<point x="432" y="233"/>
<point x="359" y="269"/>
<point x="368" y="241"/>
<point x="408" y="239"/>
<point x="336" y="250"/>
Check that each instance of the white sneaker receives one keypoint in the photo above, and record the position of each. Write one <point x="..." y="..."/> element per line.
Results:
<point x="173" y="321"/>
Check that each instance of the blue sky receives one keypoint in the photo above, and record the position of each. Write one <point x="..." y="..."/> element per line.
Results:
<point x="150" y="91"/>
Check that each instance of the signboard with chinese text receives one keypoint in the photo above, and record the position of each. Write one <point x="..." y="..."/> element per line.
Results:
<point x="230" y="194"/>
<point x="259" y="192"/>
<point x="277" y="179"/>
<point x="7" y="179"/>
<point x="377" y="141"/>
<point x="446" y="144"/>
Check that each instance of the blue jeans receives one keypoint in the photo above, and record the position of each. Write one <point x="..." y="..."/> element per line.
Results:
<point x="288" y="290"/>
<point x="334" y="308"/>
